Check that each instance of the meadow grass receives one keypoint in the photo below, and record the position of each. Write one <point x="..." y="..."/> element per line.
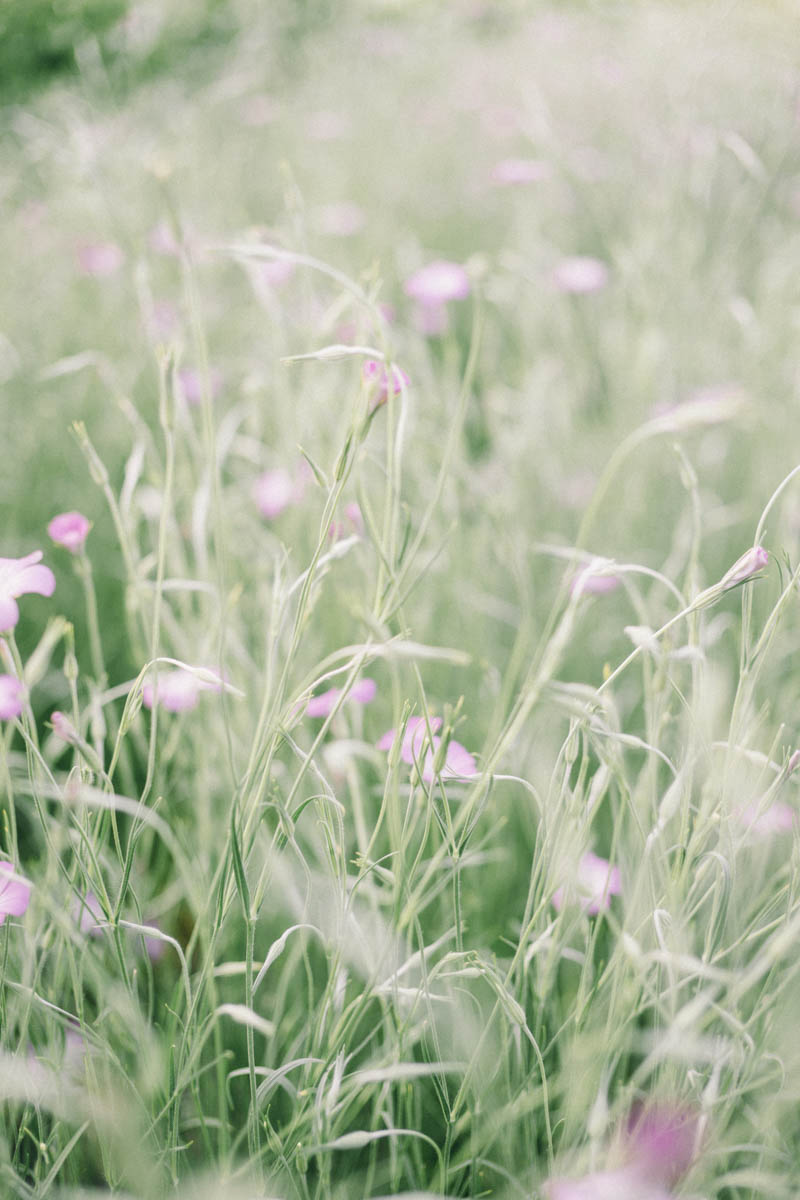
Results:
<point x="284" y="952"/>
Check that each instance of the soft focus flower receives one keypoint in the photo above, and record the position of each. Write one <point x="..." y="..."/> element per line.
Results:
<point x="20" y="577"/>
<point x="362" y="692"/>
<point x="69" y="530"/>
<point x="177" y="690"/>
<point x="580" y="275"/>
<point x="353" y="523"/>
<point x="275" y="272"/>
<point x="624" y="1184"/>
<point x="458" y="760"/>
<point x="100" y="259"/>
<point x="438" y="282"/>
<point x="778" y="818"/>
<point x="661" y="1141"/>
<point x="190" y="384"/>
<point x="376" y="376"/>
<point x="751" y="561"/>
<point x="513" y="171"/>
<point x="341" y="220"/>
<point x="595" y="883"/>
<point x="63" y="727"/>
<point x="88" y="914"/>
<point x="594" y="580"/>
<point x="162" y="240"/>
<point x="11" y="691"/>
<point x="15" y="894"/>
<point x="273" y="492"/>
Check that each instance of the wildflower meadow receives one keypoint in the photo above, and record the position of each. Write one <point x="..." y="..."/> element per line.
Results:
<point x="399" y="596"/>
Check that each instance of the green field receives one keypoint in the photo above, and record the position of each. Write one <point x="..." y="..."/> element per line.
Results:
<point x="397" y="782"/>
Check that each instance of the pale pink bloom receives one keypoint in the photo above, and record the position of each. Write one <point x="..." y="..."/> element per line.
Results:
<point x="362" y="692"/>
<point x="190" y="384"/>
<point x="275" y="272"/>
<point x="752" y="560"/>
<point x="69" y="530"/>
<point x="353" y="523"/>
<point x="11" y="692"/>
<point x="592" y="582"/>
<point x="327" y="126"/>
<point x="432" y="320"/>
<point x="88" y="914"/>
<point x="623" y="1184"/>
<point x="177" y="690"/>
<point x="661" y="1140"/>
<point x="777" y="818"/>
<point x="63" y="727"/>
<point x="595" y="883"/>
<point x="273" y="492"/>
<point x="162" y="240"/>
<point x="437" y="282"/>
<point x="15" y="894"/>
<point x="457" y="761"/>
<point x="353" y="514"/>
<point x="20" y="577"/>
<point x="415" y="738"/>
<point x="580" y="275"/>
<point x="100" y="259"/>
<point x="376" y="376"/>
<point x="341" y="220"/>
<point x="513" y="171"/>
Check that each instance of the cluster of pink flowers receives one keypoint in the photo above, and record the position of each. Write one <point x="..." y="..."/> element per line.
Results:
<point x="420" y="749"/>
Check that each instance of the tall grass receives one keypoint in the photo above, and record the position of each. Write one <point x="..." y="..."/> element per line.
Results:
<point x="264" y="956"/>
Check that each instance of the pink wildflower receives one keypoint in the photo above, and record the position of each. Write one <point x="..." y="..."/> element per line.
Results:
<point x="20" y="577"/>
<point x="777" y="818"/>
<point x="416" y="743"/>
<point x="661" y="1141"/>
<point x="513" y="171"/>
<point x="177" y="691"/>
<point x="752" y="560"/>
<point x="595" y="883"/>
<point x="15" y="893"/>
<point x="100" y="259"/>
<point x="69" y="530"/>
<point x="273" y="492"/>
<point x="594" y="581"/>
<point x="438" y="282"/>
<point x="580" y="275"/>
<point x="190" y="384"/>
<point x="376" y="376"/>
<point x="275" y="272"/>
<point x="63" y="727"/>
<point x="415" y="738"/>
<point x="362" y="692"/>
<point x="341" y="220"/>
<point x="11" y="691"/>
<point x="458" y="762"/>
<point x="88" y="914"/>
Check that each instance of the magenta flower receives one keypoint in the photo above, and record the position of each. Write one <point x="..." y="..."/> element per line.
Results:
<point x="15" y="893"/>
<point x="362" y="692"/>
<point x="69" y="530"/>
<point x="273" y="492"/>
<point x="416" y="743"/>
<point x="661" y="1141"/>
<point x="595" y="883"/>
<point x="100" y="259"/>
<point x="21" y="577"/>
<point x="177" y="691"/>
<point x="513" y="171"/>
<point x="11" y="691"/>
<point x="437" y="283"/>
<point x="190" y="384"/>
<point x="752" y="560"/>
<point x="580" y="275"/>
<point x="415" y="738"/>
<point x="376" y="376"/>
